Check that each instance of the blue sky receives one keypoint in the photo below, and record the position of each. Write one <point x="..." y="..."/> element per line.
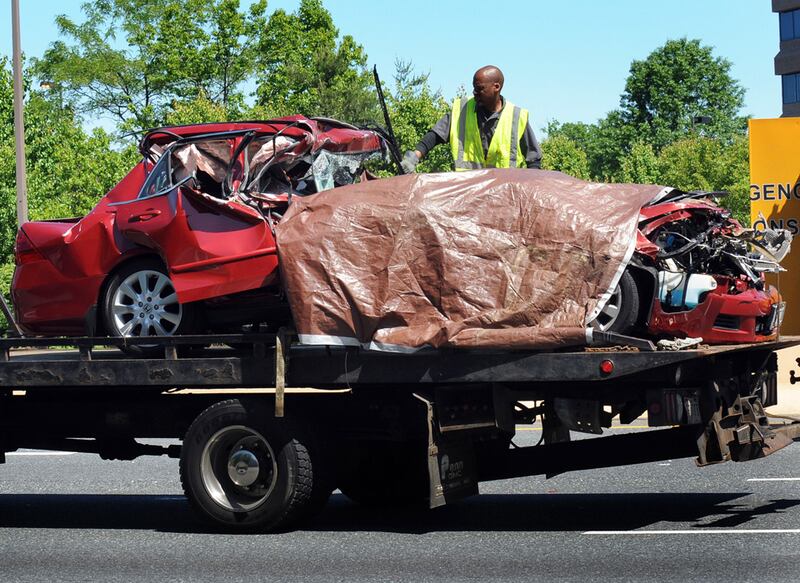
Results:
<point x="563" y="60"/>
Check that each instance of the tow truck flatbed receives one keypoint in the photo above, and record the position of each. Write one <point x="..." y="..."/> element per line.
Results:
<point x="252" y="364"/>
<point x="269" y="428"/>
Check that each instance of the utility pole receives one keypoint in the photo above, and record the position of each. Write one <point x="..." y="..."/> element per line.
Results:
<point x="19" y="124"/>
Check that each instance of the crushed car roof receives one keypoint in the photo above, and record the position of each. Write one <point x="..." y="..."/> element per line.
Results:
<point x="326" y="131"/>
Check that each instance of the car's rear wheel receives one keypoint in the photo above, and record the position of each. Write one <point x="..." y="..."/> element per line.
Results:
<point x="140" y="301"/>
<point x="621" y="312"/>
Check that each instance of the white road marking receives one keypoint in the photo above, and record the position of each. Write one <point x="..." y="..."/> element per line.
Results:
<point x="35" y="453"/>
<point x="695" y="531"/>
<point x="773" y="480"/>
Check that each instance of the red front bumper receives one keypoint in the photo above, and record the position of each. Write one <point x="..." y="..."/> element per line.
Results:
<point x="722" y="318"/>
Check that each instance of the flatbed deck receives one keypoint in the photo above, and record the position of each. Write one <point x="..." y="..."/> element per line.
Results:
<point x="253" y="364"/>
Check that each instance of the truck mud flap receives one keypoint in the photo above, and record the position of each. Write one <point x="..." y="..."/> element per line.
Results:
<point x="452" y="471"/>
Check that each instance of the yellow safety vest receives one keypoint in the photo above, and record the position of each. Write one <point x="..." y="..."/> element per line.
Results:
<point x="504" y="149"/>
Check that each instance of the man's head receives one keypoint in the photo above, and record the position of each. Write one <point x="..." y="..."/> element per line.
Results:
<point x="486" y="86"/>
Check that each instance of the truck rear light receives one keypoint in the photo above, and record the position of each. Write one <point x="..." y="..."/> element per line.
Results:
<point x="606" y="367"/>
<point x="24" y="251"/>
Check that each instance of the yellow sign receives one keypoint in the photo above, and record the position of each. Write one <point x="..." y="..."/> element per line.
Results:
<point x="775" y="194"/>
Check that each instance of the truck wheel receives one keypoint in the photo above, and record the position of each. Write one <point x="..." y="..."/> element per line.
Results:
<point x="245" y="470"/>
<point x="621" y="312"/>
<point x="140" y="300"/>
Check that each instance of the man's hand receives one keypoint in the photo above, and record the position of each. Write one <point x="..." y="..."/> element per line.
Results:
<point x="410" y="161"/>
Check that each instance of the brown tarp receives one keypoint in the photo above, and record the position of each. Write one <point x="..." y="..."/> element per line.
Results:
<point x="488" y="258"/>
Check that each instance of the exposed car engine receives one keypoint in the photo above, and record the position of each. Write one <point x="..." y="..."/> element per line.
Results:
<point x="710" y="270"/>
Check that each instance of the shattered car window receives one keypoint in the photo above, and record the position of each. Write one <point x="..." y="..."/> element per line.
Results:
<point x="271" y="165"/>
<point x="332" y="169"/>
<point x="261" y="169"/>
<point x="277" y="167"/>
<point x="207" y="161"/>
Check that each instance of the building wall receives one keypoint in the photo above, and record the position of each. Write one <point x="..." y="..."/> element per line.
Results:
<point x="787" y="61"/>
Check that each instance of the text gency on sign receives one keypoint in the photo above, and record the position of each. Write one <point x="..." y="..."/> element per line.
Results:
<point x="775" y="199"/>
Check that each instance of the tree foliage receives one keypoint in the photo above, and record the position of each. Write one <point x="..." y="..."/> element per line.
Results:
<point x="640" y="165"/>
<point x="199" y="109"/>
<point x="414" y="108"/>
<point x="303" y="67"/>
<point x="139" y="62"/>
<point x="68" y="169"/>
<point x="654" y="137"/>
<point x="131" y="60"/>
<point x="702" y="163"/>
<point x="605" y="143"/>
<point x="676" y="83"/>
<point x="562" y="153"/>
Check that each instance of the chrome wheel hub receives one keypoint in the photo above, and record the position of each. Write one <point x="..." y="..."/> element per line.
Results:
<point x="243" y="468"/>
<point x="238" y="468"/>
<point x="146" y="304"/>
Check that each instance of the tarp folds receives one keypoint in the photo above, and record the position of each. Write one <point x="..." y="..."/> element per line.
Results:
<point x="489" y="258"/>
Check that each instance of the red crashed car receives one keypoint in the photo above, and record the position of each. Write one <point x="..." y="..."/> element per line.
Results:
<point x="696" y="272"/>
<point x="184" y="243"/>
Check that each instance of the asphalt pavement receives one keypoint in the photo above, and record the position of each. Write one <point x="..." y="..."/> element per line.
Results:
<point x="74" y="517"/>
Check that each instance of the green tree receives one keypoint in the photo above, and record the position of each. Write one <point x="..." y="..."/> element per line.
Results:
<point x="304" y="68"/>
<point x="130" y="59"/>
<point x="640" y="165"/>
<point x="230" y="55"/>
<point x="653" y="138"/>
<point x="414" y="108"/>
<point x="200" y="109"/>
<point x="701" y="163"/>
<point x="562" y="153"/>
<point x="605" y="143"/>
<point x="68" y="170"/>
<point x="673" y="84"/>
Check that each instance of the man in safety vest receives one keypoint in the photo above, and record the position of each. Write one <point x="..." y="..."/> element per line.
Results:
<point x="485" y="131"/>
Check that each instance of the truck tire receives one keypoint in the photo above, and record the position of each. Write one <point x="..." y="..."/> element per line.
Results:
<point x="248" y="471"/>
<point x="621" y="313"/>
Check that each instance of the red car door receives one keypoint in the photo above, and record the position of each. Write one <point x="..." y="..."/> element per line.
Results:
<point x="211" y="246"/>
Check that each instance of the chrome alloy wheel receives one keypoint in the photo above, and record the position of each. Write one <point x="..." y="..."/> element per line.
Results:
<point x="146" y="304"/>
<point x="238" y="468"/>
<point x="610" y="312"/>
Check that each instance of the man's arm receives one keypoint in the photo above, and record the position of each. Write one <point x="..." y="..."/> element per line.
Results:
<point x="439" y="134"/>
<point x="531" y="149"/>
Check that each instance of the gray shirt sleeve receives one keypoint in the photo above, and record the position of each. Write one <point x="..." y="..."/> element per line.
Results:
<point x="530" y="148"/>
<point x="439" y="134"/>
